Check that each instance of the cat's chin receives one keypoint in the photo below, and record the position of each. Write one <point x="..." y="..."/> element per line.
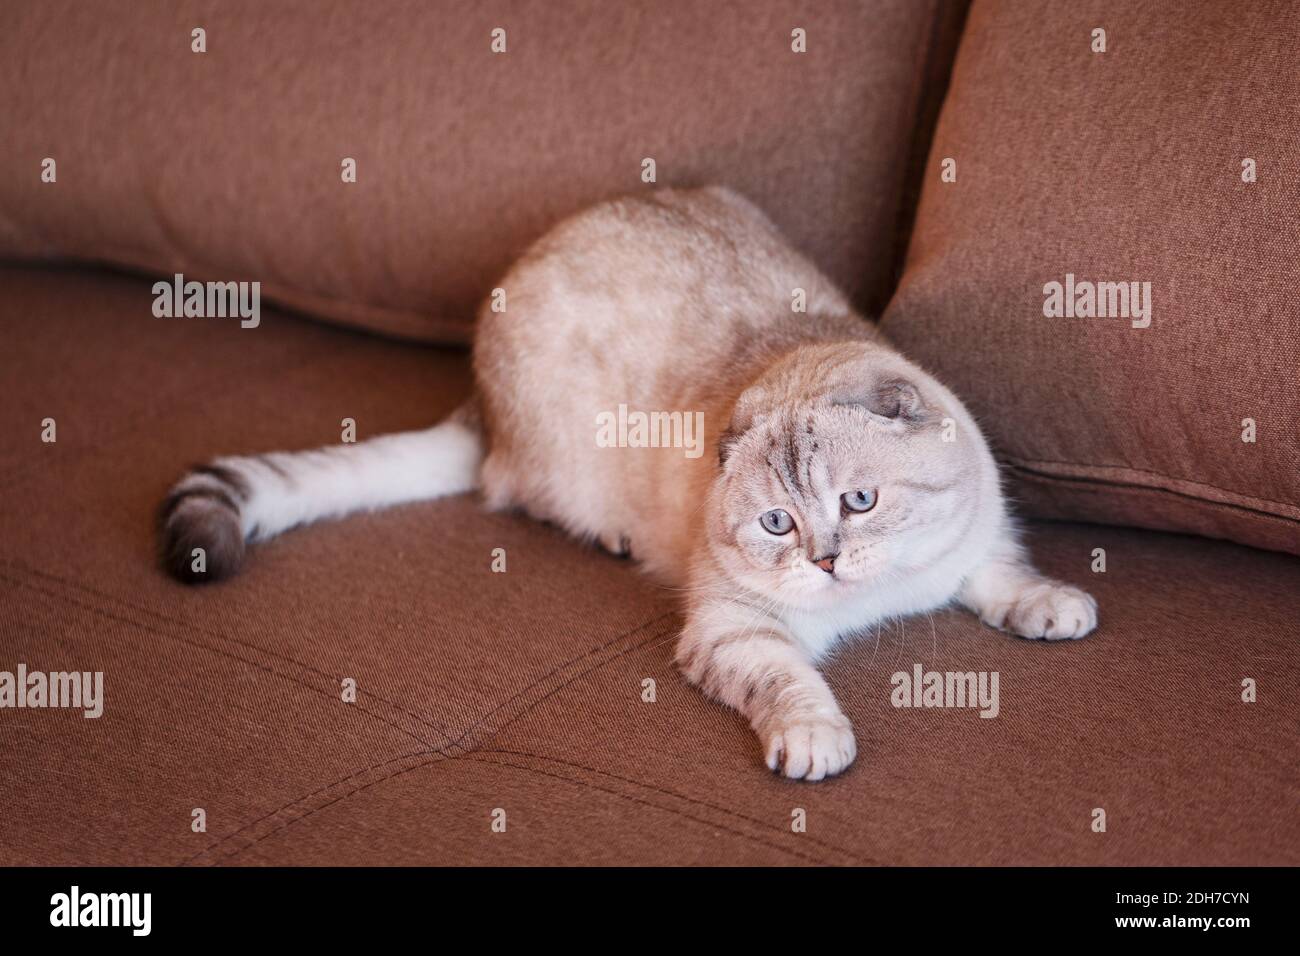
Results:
<point x="826" y="597"/>
<point x="807" y="596"/>
<point x="837" y="592"/>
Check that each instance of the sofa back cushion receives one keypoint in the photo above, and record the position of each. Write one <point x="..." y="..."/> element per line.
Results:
<point x="229" y="164"/>
<point x="1111" y="279"/>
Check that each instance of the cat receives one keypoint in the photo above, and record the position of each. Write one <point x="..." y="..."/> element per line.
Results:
<point x="841" y="485"/>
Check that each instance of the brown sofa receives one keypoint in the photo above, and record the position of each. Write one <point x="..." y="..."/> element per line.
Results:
<point x="525" y="691"/>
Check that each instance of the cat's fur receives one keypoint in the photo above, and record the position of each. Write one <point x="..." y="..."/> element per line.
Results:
<point x="683" y="302"/>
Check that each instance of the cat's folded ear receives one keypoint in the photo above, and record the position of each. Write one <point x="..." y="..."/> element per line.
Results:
<point x="896" y="399"/>
<point x="744" y="416"/>
<point x="726" y="442"/>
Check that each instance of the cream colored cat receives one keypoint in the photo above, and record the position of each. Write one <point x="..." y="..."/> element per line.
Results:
<point x="840" y="485"/>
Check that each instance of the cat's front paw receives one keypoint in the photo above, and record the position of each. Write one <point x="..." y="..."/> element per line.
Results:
<point x="1048" y="610"/>
<point x="809" y="746"/>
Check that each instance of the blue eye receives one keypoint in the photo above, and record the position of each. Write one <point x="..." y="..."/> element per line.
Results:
<point x="777" y="521"/>
<point x="858" y="500"/>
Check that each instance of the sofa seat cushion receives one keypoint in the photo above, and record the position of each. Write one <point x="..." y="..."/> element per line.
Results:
<point x="525" y="691"/>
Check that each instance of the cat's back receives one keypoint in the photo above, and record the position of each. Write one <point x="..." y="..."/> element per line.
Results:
<point x="675" y="277"/>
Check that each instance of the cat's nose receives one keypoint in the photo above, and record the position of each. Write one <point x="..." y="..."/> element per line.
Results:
<point x="827" y="563"/>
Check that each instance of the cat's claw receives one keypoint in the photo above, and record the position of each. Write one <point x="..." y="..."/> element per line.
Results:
<point x="811" y="747"/>
<point x="619" y="545"/>
<point x="1050" y="611"/>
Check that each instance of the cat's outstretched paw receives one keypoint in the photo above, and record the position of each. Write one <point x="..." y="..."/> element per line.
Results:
<point x="1047" y="610"/>
<point x="809" y="747"/>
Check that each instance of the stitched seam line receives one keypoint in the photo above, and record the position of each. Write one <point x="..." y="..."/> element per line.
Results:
<point x="177" y="622"/>
<point x="668" y="793"/>
<point x="1036" y="466"/>
<point x="234" y="657"/>
<point x="443" y="753"/>
<point x="494" y="710"/>
<point x="1047" y="477"/>
<point x="315" y="793"/>
<point x="482" y="758"/>
<point x="479" y="759"/>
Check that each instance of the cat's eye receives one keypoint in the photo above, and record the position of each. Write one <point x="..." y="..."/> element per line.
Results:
<point x="858" y="500"/>
<point x="777" y="521"/>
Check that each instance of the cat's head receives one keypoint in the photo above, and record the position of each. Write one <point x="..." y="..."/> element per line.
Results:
<point x="841" y="470"/>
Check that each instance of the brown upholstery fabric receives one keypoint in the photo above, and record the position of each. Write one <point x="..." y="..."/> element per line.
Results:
<point x="226" y="165"/>
<point x="1122" y="166"/>
<point x="522" y="691"/>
